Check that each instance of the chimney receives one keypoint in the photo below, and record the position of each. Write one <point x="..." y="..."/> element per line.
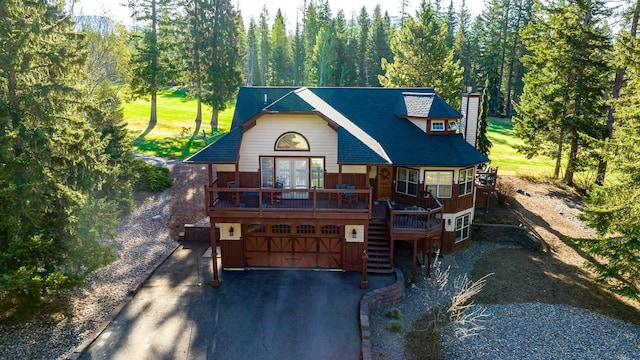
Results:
<point x="470" y="115"/>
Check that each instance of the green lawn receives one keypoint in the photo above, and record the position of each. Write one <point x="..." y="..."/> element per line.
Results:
<point x="171" y="136"/>
<point x="176" y="113"/>
<point x="507" y="159"/>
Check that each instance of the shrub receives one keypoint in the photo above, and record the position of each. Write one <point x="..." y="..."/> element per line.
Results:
<point x="505" y="191"/>
<point x="393" y="313"/>
<point x="448" y="304"/>
<point x="394" y="325"/>
<point x="151" y="178"/>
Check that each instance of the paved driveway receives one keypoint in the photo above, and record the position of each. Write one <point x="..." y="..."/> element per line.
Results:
<point x="288" y="314"/>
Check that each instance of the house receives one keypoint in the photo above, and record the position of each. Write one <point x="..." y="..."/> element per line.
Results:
<point x="333" y="178"/>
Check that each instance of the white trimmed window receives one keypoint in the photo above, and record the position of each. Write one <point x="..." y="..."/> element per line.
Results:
<point x="462" y="227"/>
<point x="437" y="125"/>
<point x="439" y="183"/>
<point x="466" y="181"/>
<point x="453" y="125"/>
<point x="407" y="181"/>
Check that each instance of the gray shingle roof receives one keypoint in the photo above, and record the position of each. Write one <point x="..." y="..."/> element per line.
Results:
<point x="372" y="125"/>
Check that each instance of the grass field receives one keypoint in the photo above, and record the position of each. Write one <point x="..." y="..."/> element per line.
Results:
<point x="176" y="113"/>
<point x="170" y="138"/>
<point x="507" y="159"/>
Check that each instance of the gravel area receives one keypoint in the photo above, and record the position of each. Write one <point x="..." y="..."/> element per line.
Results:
<point x="544" y="331"/>
<point x="142" y="241"/>
<point x="512" y="331"/>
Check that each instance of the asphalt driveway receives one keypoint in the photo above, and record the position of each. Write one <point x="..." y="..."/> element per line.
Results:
<point x="287" y="314"/>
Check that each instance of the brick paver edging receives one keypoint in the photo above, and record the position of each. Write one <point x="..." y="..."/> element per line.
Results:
<point x="372" y="300"/>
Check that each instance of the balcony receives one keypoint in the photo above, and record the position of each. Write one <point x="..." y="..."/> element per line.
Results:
<point x="415" y="221"/>
<point x="287" y="203"/>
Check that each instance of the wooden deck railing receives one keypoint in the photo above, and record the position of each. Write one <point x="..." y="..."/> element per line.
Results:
<point x="415" y="220"/>
<point x="271" y="200"/>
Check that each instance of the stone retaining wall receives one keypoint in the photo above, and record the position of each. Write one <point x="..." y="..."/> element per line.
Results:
<point x="383" y="297"/>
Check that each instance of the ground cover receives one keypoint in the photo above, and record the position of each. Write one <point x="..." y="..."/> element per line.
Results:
<point x="506" y="157"/>
<point x="173" y="135"/>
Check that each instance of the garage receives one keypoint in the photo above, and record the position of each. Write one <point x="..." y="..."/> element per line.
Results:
<point x="293" y="246"/>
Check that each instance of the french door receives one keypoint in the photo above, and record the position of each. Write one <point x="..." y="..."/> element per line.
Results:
<point x="293" y="173"/>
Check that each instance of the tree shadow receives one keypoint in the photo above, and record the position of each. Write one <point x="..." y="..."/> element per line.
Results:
<point x="522" y="276"/>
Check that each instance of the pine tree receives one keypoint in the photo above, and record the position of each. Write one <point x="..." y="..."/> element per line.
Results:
<point x="252" y="62"/>
<point x="298" y="57"/>
<point x="564" y="96"/>
<point x="463" y="45"/>
<point x="363" y="37"/>
<point x="280" y="53"/>
<point x="265" y="50"/>
<point x="222" y="60"/>
<point x="149" y="71"/>
<point x="421" y="58"/>
<point x="378" y="48"/>
<point x="614" y="207"/>
<point x="53" y="158"/>
<point x="484" y="144"/>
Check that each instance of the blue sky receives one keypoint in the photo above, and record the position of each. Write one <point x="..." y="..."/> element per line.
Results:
<point x="114" y="9"/>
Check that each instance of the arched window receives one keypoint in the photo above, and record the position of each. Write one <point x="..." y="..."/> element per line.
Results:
<point x="292" y="141"/>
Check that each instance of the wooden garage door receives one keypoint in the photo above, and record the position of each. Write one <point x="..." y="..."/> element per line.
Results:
<point x="302" y="251"/>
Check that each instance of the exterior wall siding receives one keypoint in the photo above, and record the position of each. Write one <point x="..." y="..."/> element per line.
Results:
<point x="260" y="140"/>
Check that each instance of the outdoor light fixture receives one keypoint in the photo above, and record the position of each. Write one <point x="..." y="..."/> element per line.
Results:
<point x="231" y="231"/>
<point x="449" y="221"/>
<point x="354" y="234"/>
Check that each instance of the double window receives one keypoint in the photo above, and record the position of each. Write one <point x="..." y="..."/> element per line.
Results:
<point x="466" y="181"/>
<point x="462" y="227"/>
<point x="439" y="183"/>
<point x="407" y="181"/>
<point x="437" y="125"/>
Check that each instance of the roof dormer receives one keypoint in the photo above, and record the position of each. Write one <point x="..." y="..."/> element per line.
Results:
<point x="428" y="112"/>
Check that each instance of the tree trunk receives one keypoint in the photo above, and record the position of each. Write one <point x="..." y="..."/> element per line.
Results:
<point x="214" y="121"/>
<point x="153" y="118"/>
<point x="556" y="171"/>
<point x="573" y="154"/>
<point x="615" y="94"/>
<point x="504" y="49"/>
<point x="508" y="106"/>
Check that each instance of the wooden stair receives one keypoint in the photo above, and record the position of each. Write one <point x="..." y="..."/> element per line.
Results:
<point x="378" y="249"/>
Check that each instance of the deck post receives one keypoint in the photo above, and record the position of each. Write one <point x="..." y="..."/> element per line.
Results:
<point x="415" y="258"/>
<point x="365" y="257"/>
<point x="214" y="253"/>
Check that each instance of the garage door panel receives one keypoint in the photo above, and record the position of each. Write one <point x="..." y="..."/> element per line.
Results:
<point x="288" y="251"/>
<point x="329" y="261"/>
<point x="281" y="244"/>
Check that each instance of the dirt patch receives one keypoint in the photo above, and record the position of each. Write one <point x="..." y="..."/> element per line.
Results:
<point x="555" y="275"/>
<point x="186" y="196"/>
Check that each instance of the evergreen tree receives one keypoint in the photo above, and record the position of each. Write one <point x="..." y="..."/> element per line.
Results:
<point x="450" y="23"/>
<point x="564" y="95"/>
<point x="378" y="48"/>
<point x="421" y="58"/>
<point x="265" y="50"/>
<point x="311" y="29"/>
<point x="614" y="207"/>
<point x="280" y="53"/>
<point x="298" y="57"/>
<point x="149" y="71"/>
<point x="324" y="58"/>
<point x="221" y="60"/>
<point x="52" y="158"/>
<point x="615" y="94"/>
<point x="363" y="37"/>
<point x="484" y="144"/>
<point x="252" y="73"/>
<point x="463" y="45"/>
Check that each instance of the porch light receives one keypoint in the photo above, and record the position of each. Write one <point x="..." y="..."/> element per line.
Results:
<point x="354" y="234"/>
<point x="231" y="231"/>
<point x="448" y="221"/>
